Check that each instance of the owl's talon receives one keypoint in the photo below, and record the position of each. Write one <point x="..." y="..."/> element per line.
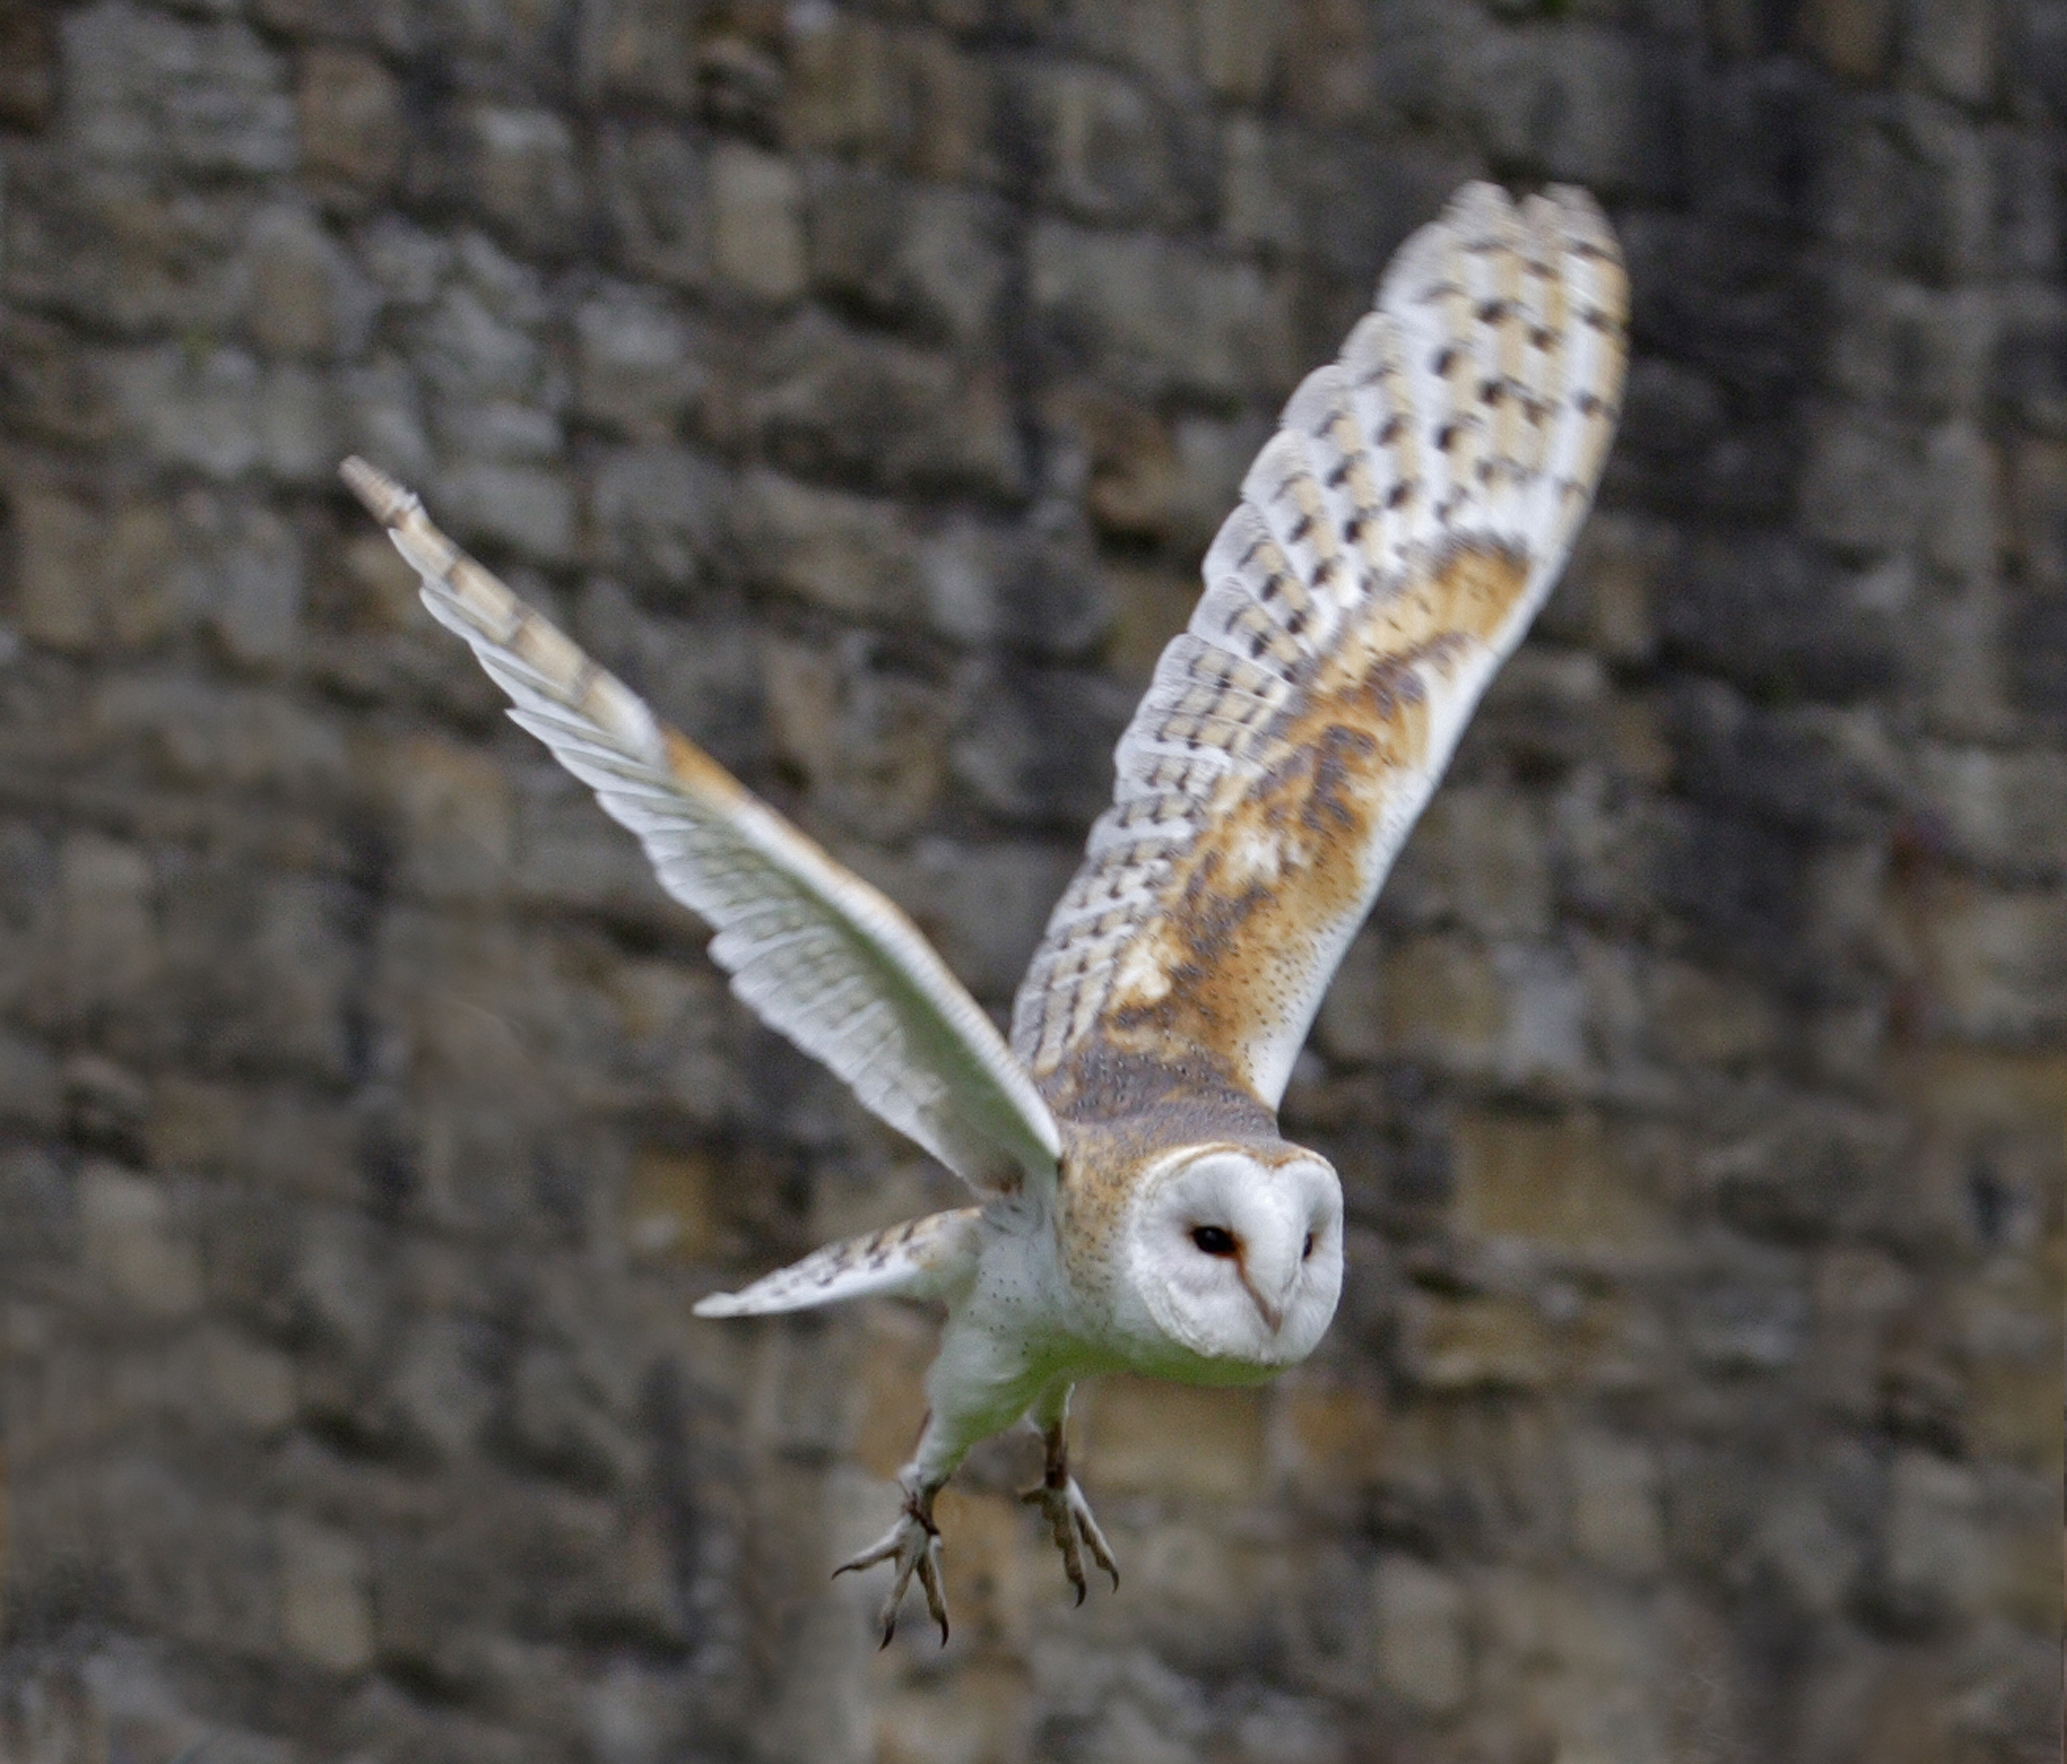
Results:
<point x="1069" y="1519"/>
<point x="913" y="1544"/>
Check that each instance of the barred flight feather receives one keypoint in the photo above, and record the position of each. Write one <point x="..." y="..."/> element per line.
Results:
<point x="1394" y="540"/>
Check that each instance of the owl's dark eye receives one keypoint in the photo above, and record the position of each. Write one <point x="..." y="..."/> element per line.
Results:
<point x="1307" y="1250"/>
<point x="1215" y="1240"/>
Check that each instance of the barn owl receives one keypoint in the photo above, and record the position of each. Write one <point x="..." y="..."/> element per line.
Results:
<point x="1136" y="1205"/>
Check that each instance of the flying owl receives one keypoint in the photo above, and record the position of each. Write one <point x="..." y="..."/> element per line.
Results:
<point x="1136" y="1206"/>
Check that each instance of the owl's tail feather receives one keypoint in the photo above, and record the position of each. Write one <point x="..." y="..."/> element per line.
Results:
<point x="922" y="1258"/>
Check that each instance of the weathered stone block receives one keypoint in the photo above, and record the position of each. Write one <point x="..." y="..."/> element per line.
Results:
<point x="107" y="926"/>
<point x="439" y="1385"/>
<point x="984" y="907"/>
<point x="1477" y="856"/>
<point x="1034" y="584"/>
<point x="1911" y="347"/>
<point x="1935" y="1561"/>
<point x="1853" y="38"/>
<point x="28" y="84"/>
<point x="1439" y="999"/>
<point x="1474" y="1344"/>
<point x="132" y="1240"/>
<point x="1862" y="485"/>
<point x="639" y="368"/>
<point x="350" y="112"/>
<point x="1571" y="100"/>
<point x="1908" y="185"/>
<point x="1709" y="1019"/>
<point x="325" y="1613"/>
<point x="656" y="190"/>
<point x="1239" y="45"/>
<point x="251" y="1383"/>
<point x="2037" y="528"/>
<point x="1761" y="612"/>
<point x="1037" y="745"/>
<point x="1162" y="316"/>
<point x="2006" y="811"/>
<point x="1146" y="1437"/>
<point x="207" y="97"/>
<point x="88" y="575"/>
<point x="834" y="402"/>
<point x="659" y="514"/>
<point x="1327" y="1436"/>
<point x="1952" y="44"/>
<point x="757" y="222"/>
<point x="525" y="175"/>
<point x="958" y="135"/>
<point x="1616" y="1519"/>
<point x="1105" y="149"/>
<point x="1424" y="1655"/>
<point x="530" y="509"/>
<point x="920" y="256"/>
<point x="1748" y="1319"/>
<point x="1574" y="1183"/>
<point x="976" y="1716"/>
<point x="846" y="93"/>
<point x="871" y="749"/>
<point x="456" y="814"/>
<point x="1611" y="588"/>
<point x="642" y="50"/>
<point x="852" y="555"/>
<point x="1998" y="961"/>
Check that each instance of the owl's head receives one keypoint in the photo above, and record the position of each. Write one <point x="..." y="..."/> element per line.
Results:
<point x="1236" y="1251"/>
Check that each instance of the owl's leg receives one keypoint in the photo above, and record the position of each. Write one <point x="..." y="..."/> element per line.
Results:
<point x="913" y="1544"/>
<point x="1061" y="1501"/>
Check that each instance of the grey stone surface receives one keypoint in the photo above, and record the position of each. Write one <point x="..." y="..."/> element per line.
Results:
<point x="863" y="382"/>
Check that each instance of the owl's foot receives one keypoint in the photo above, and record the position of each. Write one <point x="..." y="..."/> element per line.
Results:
<point x="1068" y="1514"/>
<point x="913" y="1543"/>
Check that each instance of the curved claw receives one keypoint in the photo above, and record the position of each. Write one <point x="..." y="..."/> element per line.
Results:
<point x="1068" y="1514"/>
<point x="913" y="1543"/>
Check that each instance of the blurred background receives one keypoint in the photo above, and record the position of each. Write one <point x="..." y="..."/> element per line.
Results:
<point x="863" y="382"/>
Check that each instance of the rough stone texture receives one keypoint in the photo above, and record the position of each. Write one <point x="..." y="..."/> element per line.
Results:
<point x="864" y="381"/>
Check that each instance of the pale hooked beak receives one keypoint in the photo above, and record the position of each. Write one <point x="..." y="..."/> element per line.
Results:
<point x="1273" y="1311"/>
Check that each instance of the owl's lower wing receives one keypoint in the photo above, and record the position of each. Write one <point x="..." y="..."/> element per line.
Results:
<point x="817" y="952"/>
<point x="1394" y="540"/>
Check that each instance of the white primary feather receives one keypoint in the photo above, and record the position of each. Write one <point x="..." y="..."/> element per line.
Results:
<point x="817" y="952"/>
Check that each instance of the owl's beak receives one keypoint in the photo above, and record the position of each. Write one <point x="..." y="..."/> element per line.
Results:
<point x="1274" y="1315"/>
<point x="1271" y="1309"/>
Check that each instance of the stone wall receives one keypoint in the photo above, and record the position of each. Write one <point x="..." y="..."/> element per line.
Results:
<point x="863" y="382"/>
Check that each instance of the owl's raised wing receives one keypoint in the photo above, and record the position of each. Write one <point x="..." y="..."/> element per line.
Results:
<point x="1394" y="540"/>
<point x="817" y="952"/>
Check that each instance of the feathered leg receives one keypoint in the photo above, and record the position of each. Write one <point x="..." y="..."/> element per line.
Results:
<point x="978" y="1384"/>
<point x="1061" y="1501"/>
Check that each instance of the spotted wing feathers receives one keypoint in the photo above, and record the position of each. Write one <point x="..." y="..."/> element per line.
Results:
<point x="922" y="1258"/>
<point x="820" y="955"/>
<point x="1394" y="539"/>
